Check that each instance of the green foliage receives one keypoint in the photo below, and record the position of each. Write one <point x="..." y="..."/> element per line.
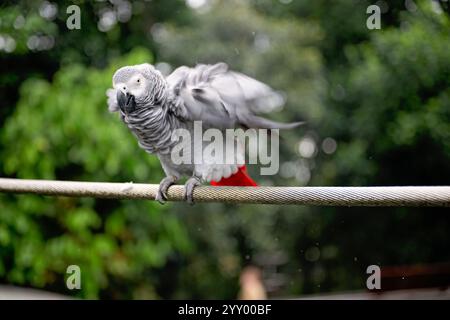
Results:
<point x="382" y="95"/>
<point x="397" y="101"/>
<point x="62" y="130"/>
<point x="39" y="41"/>
<point x="388" y="108"/>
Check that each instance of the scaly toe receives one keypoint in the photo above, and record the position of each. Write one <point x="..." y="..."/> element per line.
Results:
<point x="190" y="197"/>
<point x="160" y="197"/>
<point x="189" y="190"/>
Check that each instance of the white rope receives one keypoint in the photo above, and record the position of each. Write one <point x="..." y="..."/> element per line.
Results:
<point x="438" y="196"/>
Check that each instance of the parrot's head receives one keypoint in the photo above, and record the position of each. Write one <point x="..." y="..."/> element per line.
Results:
<point x="138" y="86"/>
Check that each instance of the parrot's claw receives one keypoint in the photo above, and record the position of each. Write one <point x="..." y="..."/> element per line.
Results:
<point x="161" y="195"/>
<point x="189" y="187"/>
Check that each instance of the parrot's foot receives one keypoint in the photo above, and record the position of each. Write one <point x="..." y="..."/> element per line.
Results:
<point x="189" y="187"/>
<point x="161" y="195"/>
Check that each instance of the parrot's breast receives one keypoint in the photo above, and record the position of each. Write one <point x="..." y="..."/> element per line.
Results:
<point x="153" y="127"/>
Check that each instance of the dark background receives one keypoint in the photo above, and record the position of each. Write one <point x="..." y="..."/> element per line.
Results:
<point x="377" y="106"/>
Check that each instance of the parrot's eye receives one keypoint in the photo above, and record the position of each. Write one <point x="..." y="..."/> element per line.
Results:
<point x="138" y="80"/>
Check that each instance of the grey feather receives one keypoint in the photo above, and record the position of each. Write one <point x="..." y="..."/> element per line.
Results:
<point x="223" y="98"/>
<point x="112" y="100"/>
<point x="218" y="97"/>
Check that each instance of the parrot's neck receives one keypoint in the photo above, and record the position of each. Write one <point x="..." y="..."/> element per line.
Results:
<point x="153" y="127"/>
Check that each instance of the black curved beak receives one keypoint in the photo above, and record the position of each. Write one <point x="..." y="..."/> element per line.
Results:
<point x="126" y="102"/>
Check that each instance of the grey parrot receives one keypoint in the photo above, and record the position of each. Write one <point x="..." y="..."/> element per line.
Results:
<point x="153" y="106"/>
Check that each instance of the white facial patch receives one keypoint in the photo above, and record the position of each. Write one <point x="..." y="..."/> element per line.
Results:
<point x="137" y="85"/>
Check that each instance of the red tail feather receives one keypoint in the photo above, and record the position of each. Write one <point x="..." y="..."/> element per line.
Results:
<point x="240" y="178"/>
